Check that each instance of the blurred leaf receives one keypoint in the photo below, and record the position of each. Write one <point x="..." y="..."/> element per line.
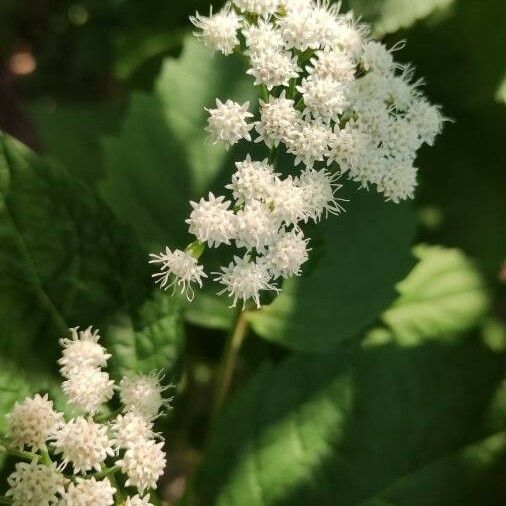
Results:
<point x="162" y="158"/>
<point x="64" y="260"/>
<point x="391" y="15"/>
<point x="443" y="296"/>
<point x="364" y="253"/>
<point x="151" y="341"/>
<point x="208" y="310"/>
<point x="359" y="427"/>
<point x="14" y="386"/>
<point x="388" y="16"/>
<point x="72" y="134"/>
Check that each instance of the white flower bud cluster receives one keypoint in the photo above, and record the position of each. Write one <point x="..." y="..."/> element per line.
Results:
<point x="334" y="102"/>
<point x="91" y="442"/>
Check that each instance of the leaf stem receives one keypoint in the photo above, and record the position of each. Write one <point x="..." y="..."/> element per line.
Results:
<point x="229" y="360"/>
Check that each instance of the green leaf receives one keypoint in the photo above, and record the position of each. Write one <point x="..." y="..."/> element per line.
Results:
<point x="349" y="427"/>
<point x="443" y="296"/>
<point x="389" y="16"/>
<point x="64" y="260"/>
<point x="72" y="134"/>
<point x="150" y="341"/>
<point x="162" y="157"/>
<point x="357" y="259"/>
<point x="14" y="386"/>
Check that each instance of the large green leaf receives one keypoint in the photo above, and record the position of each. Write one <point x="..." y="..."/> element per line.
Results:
<point x="162" y="157"/>
<point x="443" y="296"/>
<point x="73" y="133"/>
<point x="353" y="426"/>
<point x="150" y="341"/>
<point x="357" y="259"/>
<point x="64" y="260"/>
<point x="391" y="15"/>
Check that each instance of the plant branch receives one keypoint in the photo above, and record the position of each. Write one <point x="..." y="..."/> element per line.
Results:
<point x="229" y="361"/>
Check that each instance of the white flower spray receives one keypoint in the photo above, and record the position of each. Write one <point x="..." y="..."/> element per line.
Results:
<point x="74" y="462"/>
<point x="333" y="102"/>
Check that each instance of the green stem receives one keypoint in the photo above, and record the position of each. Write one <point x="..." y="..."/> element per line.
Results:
<point x="108" y="416"/>
<point x="229" y="361"/>
<point x="119" y="493"/>
<point x="108" y="471"/>
<point x="21" y="454"/>
<point x="5" y="500"/>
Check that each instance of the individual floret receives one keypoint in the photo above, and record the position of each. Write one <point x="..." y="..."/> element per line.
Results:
<point x="83" y="443"/>
<point x="324" y="98"/>
<point x="245" y="279"/>
<point x="252" y="181"/>
<point x="211" y="221"/>
<point x="138" y="500"/>
<point x="334" y="64"/>
<point x="273" y="67"/>
<point x="288" y="203"/>
<point x="286" y="256"/>
<point x="219" y="31"/>
<point x="82" y="349"/>
<point x="260" y="7"/>
<point x="278" y="118"/>
<point x="309" y="141"/>
<point x="262" y="37"/>
<point x="129" y="428"/>
<point x="143" y="464"/>
<point x="256" y="226"/>
<point x="178" y="269"/>
<point x="319" y="187"/>
<point x="142" y="394"/>
<point x="399" y="182"/>
<point x="89" y="492"/>
<point x="32" y="421"/>
<point x="35" y="484"/>
<point x="88" y="389"/>
<point x="228" y="122"/>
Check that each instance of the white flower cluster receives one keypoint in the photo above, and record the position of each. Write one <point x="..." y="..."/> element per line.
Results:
<point x="335" y="102"/>
<point x="91" y="442"/>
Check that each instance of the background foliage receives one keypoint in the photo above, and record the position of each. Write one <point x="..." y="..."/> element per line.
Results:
<point x="375" y="380"/>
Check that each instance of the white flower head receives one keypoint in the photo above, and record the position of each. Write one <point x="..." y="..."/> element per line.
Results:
<point x="138" y="500"/>
<point x="262" y="36"/>
<point x="351" y="35"/>
<point x="350" y="147"/>
<point x="402" y="90"/>
<point x="129" y="428"/>
<point x="89" y="492"/>
<point x="426" y="119"/>
<point x="143" y="464"/>
<point x="273" y="67"/>
<point x="228" y="122"/>
<point x="335" y="64"/>
<point x="211" y="221"/>
<point x="82" y="349"/>
<point x="371" y="170"/>
<point x="142" y="394"/>
<point x="399" y="182"/>
<point x="260" y="7"/>
<point x="288" y="203"/>
<point x="35" y="484"/>
<point x="298" y="27"/>
<point x="178" y="269"/>
<point x="219" y="31"/>
<point x="324" y="98"/>
<point x="400" y="140"/>
<point x="319" y="187"/>
<point x="83" y="443"/>
<point x="252" y="181"/>
<point x="309" y="141"/>
<point x="325" y="23"/>
<point x="286" y="256"/>
<point x="256" y="226"/>
<point x="376" y="57"/>
<point x="277" y="118"/>
<point x="244" y="279"/>
<point x="32" y="421"/>
<point x="88" y="388"/>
